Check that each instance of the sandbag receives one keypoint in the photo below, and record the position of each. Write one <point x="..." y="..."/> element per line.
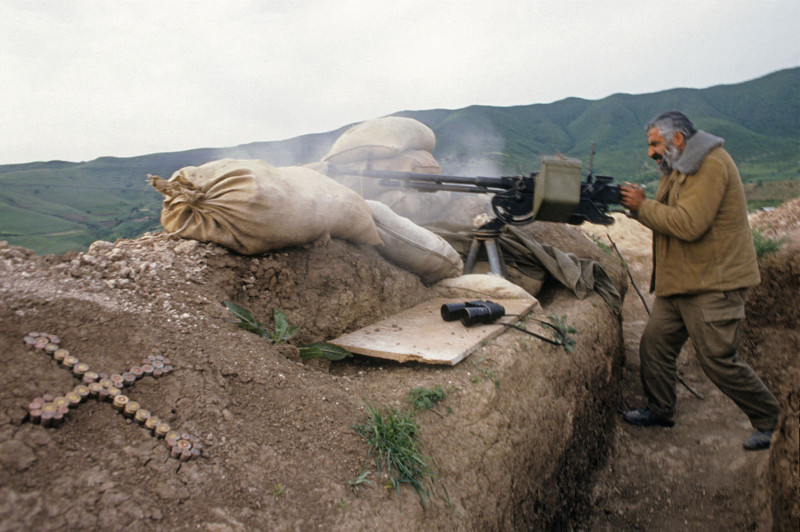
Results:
<point x="413" y="247"/>
<point x="381" y="138"/>
<point x="252" y="207"/>
<point x="530" y="284"/>
<point x="480" y="286"/>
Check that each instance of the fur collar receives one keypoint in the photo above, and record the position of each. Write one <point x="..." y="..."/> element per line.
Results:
<point x="696" y="150"/>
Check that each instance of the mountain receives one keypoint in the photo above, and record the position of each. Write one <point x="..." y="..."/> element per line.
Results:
<point x="58" y="206"/>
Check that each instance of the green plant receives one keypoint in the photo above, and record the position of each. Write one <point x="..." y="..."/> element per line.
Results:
<point x="356" y="483"/>
<point x="244" y="319"/>
<point x="283" y="331"/>
<point x="424" y="398"/>
<point x="393" y="439"/>
<point x="559" y="324"/>
<point x="278" y="490"/>
<point x="325" y="351"/>
<point x="602" y="245"/>
<point x="487" y="373"/>
<point x="764" y="245"/>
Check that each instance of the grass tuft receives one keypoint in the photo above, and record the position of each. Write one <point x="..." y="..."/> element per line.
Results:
<point x="393" y="439"/>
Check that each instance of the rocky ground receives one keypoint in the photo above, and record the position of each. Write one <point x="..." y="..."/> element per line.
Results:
<point x="272" y="434"/>
<point x="515" y="442"/>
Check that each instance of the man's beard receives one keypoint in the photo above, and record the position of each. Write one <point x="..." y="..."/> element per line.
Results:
<point x="667" y="162"/>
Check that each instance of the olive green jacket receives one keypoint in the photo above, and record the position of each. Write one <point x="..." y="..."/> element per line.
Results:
<point x="701" y="234"/>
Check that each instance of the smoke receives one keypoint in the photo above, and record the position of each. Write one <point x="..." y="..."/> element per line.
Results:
<point x="469" y="149"/>
<point x="472" y="149"/>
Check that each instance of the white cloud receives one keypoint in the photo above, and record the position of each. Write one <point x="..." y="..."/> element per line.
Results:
<point x="84" y="79"/>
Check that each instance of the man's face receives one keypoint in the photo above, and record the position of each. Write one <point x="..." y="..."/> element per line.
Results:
<point x="661" y="150"/>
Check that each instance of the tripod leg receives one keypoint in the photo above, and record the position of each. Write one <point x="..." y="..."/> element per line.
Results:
<point x="495" y="258"/>
<point x="472" y="257"/>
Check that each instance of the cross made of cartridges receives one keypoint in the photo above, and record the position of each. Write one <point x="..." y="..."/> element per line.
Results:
<point x="51" y="410"/>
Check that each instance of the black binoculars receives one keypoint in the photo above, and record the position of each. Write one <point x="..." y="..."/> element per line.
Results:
<point x="473" y="312"/>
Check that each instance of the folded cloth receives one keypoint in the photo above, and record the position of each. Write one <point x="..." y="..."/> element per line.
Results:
<point x="582" y="276"/>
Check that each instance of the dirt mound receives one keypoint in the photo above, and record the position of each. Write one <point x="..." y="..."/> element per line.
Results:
<point x="772" y="344"/>
<point x="522" y="423"/>
<point x="779" y="221"/>
<point x="627" y="233"/>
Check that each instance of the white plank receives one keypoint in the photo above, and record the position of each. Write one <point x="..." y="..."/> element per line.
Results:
<point x="420" y="334"/>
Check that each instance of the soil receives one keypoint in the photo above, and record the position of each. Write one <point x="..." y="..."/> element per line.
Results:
<point x="695" y="475"/>
<point x="528" y="437"/>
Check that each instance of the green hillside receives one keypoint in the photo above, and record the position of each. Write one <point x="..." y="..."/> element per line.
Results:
<point x="57" y="206"/>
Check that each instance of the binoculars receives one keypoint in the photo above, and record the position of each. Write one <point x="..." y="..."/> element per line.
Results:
<point x="473" y="312"/>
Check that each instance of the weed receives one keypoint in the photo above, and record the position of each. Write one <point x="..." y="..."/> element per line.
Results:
<point x="244" y="319"/>
<point x="564" y="330"/>
<point x="764" y="245"/>
<point x="283" y="331"/>
<point x="487" y="373"/>
<point x="393" y="439"/>
<point x="356" y="483"/>
<point x="278" y="490"/>
<point x="341" y="504"/>
<point x="324" y="350"/>
<point x="602" y="245"/>
<point x="425" y="398"/>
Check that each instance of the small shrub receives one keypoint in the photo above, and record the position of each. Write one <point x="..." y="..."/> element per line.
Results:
<point x="764" y="245"/>
<point x="425" y="398"/>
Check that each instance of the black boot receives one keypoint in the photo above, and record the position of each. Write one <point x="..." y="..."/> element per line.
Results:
<point x="644" y="417"/>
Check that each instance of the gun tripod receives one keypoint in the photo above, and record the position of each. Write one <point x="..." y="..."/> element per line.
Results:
<point x="487" y="235"/>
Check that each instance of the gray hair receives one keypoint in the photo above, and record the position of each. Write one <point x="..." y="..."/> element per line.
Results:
<point x="672" y="122"/>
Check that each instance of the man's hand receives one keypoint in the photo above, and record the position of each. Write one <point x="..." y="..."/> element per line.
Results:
<point x="631" y="196"/>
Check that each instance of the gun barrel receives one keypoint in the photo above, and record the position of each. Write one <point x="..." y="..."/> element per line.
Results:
<point x="420" y="181"/>
<point x="561" y="196"/>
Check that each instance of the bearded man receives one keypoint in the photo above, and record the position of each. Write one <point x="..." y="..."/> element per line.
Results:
<point x="704" y="262"/>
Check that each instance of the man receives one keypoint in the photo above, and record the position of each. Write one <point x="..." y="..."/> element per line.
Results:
<point x="703" y="263"/>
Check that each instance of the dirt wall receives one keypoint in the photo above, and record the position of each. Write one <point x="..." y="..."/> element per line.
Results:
<point x="514" y="442"/>
<point x="772" y="346"/>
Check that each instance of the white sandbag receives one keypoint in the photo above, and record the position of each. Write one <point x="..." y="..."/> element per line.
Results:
<point x="380" y="139"/>
<point x="252" y="207"/>
<point x="480" y="286"/>
<point x="413" y="247"/>
<point x="418" y="161"/>
<point x="527" y="283"/>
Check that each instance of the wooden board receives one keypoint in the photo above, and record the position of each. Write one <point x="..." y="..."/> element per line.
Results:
<point x="420" y="334"/>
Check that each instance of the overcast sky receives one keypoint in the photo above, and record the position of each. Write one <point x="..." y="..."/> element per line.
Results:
<point x="86" y="78"/>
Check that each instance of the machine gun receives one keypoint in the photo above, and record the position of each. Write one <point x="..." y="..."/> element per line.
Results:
<point x="554" y="194"/>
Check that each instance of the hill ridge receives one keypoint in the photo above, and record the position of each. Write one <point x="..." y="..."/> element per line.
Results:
<point x="758" y="118"/>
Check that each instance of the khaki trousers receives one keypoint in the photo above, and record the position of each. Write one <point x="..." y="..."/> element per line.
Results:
<point x="713" y="321"/>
